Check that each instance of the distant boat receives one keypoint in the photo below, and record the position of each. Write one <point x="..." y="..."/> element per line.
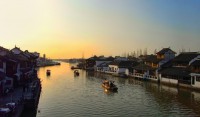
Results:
<point x="76" y="73"/>
<point x="109" y="85"/>
<point x="48" y="72"/>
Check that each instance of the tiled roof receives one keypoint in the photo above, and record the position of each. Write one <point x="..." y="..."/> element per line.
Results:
<point x="164" y="50"/>
<point x="196" y="63"/>
<point x="19" y="57"/>
<point x="30" y="55"/>
<point x="143" y="67"/>
<point x="186" y="57"/>
<point x="95" y="58"/>
<point x="104" y="64"/>
<point x="175" y="71"/>
<point x="152" y="58"/>
<point x="3" y="49"/>
<point x="11" y="56"/>
<point x="124" y="64"/>
<point x="167" y="64"/>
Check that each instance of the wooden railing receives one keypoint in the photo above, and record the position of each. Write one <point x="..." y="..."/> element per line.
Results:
<point x="151" y="77"/>
<point x="136" y="75"/>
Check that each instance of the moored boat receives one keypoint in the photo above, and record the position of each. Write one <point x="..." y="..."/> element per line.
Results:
<point x="48" y="72"/>
<point x="72" y="67"/>
<point x="109" y="85"/>
<point x="76" y="73"/>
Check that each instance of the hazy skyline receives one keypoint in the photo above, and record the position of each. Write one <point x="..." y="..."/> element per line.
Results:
<point x="68" y="28"/>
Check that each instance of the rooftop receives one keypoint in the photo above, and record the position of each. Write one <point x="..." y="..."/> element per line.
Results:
<point x="152" y="58"/>
<point x="164" y="50"/>
<point x="143" y="67"/>
<point x="186" y="57"/>
<point x="124" y="64"/>
<point x="175" y="71"/>
<point x="196" y="63"/>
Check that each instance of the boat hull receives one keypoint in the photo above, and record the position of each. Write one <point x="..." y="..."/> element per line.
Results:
<point x="114" y="88"/>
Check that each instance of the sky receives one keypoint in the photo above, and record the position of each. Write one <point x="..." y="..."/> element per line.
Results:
<point x="73" y="28"/>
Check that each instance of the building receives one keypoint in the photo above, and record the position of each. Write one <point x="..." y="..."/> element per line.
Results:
<point x="101" y="64"/>
<point x="152" y="64"/>
<point x="121" y="67"/>
<point x="103" y="67"/>
<point x="19" y="65"/>
<point x="6" y="82"/>
<point x="195" y="72"/>
<point x="94" y="63"/>
<point x="90" y="63"/>
<point x="180" y="71"/>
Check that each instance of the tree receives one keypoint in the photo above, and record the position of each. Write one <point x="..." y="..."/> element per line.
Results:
<point x="145" y="51"/>
<point x="155" y="51"/>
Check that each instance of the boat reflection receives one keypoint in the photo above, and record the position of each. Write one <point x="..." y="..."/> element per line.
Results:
<point x="109" y="85"/>
<point x="108" y="92"/>
<point x="76" y="73"/>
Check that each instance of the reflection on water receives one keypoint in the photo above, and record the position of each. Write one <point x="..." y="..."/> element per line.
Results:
<point x="64" y="95"/>
<point x="110" y="93"/>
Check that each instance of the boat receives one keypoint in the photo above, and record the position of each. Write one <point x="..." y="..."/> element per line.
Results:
<point x="109" y="85"/>
<point x="76" y="73"/>
<point x="48" y="72"/>
<point x="72" y="67"/>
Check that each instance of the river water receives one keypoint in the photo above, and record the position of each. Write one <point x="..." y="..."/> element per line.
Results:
<point x="64" y="95"/>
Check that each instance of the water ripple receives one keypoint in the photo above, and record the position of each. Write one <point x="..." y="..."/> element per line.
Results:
<point x="67" y="96"/>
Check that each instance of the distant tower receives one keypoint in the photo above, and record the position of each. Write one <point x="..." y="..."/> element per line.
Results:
<point x="44" y="56"/>
<point x="83" y="55"/>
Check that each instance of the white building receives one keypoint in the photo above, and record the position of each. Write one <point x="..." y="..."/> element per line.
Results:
<point x="119" y="67"/>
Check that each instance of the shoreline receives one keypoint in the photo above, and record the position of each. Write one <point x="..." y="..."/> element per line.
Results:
<point x="48" y="64"/>
<point x="179" y="85"/>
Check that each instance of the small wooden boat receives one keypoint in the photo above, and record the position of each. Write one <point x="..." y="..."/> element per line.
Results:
<point x="76" y="73"/>
<point x="109" y="85"/>
<point x="48" y="72"/>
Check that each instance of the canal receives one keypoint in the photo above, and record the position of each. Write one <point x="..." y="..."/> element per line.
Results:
<point x="64" y="95"/>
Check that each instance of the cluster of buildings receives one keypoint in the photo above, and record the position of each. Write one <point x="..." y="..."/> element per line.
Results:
<point x="163" y="67"/>
<point x="43" y="61"/>
<point x="17" y="68"/>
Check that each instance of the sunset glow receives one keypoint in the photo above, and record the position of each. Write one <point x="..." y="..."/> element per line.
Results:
<point x="71" y="28"/>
